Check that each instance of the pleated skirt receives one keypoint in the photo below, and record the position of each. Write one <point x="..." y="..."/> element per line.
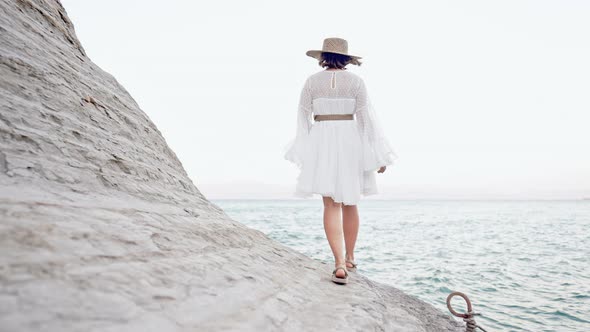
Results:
<point x="333" y="160"/>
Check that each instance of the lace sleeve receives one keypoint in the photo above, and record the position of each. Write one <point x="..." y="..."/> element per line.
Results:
<point x="295" y="149"/>
<point x="377" y="150"/>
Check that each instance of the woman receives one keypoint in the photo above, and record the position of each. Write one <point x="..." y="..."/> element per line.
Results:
<point x="339" y="152"/>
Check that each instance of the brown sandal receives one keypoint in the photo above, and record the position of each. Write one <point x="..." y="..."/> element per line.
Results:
<point x="339" y="280"/>
<point x="353" y="268"/>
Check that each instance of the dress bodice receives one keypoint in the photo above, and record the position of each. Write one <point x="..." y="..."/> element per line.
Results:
<point x="334" y="84"/>
<point x="333" y="92"/>
<point x="339" y="92"/>
<point x="323" y="105"/>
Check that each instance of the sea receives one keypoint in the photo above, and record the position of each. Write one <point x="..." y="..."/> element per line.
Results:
<point x="525" y="265"/>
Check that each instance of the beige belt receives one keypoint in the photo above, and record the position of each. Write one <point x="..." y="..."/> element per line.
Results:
<point x="322" y="117"/>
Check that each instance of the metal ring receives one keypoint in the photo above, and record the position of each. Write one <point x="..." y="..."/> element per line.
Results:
<point x="469" y="308"/>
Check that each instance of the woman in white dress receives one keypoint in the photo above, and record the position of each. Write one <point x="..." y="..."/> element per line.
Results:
<point x="338" y="148"/>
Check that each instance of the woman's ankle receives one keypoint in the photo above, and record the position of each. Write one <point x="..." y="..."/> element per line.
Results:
<point x="338" y="262"/>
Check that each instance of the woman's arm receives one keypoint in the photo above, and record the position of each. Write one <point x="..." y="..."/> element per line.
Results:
<point x="377" y="149"/>
<point x="294" y="151"/>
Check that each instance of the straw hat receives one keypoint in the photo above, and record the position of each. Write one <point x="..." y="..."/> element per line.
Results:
<point x="332" y="45"/>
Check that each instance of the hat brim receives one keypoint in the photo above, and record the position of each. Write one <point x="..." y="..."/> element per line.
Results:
<point x="317" y="54"/>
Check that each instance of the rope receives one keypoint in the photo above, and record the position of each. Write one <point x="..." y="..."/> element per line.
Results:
<point x="471" y="325"/>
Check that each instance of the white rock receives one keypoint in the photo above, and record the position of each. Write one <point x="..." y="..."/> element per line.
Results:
<point x="102" y="230"/>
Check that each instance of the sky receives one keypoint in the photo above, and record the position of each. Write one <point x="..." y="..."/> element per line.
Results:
<point x="480" y="99"/>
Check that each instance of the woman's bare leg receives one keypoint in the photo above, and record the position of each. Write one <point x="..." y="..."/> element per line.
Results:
<point x="350" y="216"/>
<point x="334" y="233"/>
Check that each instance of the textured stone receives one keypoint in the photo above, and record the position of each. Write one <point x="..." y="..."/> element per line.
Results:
<point x="102" y="230"/>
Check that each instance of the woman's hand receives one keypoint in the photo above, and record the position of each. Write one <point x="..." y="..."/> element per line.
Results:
<point x="382" y="169"/>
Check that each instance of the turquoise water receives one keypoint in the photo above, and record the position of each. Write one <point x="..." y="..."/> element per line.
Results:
<point x="524" y="264"/>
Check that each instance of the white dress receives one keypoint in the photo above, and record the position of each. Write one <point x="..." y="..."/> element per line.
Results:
<point x="337" y="158"/>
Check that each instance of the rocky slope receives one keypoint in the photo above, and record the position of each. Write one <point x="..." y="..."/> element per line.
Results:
<point x="102" y="230"/>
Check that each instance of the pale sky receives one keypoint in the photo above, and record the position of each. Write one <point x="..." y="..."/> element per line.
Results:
<point x="480" y="99"/>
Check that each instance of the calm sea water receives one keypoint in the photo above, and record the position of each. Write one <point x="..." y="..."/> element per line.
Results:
<point x="524" y="264"/>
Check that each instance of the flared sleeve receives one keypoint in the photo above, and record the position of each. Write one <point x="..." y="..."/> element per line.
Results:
<point x="377" y="151"/>
<point x="295" y="149"/>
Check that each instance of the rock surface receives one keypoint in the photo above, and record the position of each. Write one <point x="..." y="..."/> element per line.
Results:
<point x="102" y="230"/>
